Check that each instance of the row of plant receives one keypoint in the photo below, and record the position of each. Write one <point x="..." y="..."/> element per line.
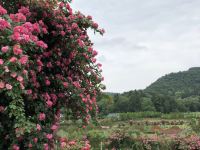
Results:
<point x="141" y="115"/>
<point x="123" y="135"/>
<point x="122" y="139"/>
<point x="159" y="122"/>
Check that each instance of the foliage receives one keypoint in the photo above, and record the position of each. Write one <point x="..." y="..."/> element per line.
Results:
<point x="96" y="137"/>
<point x="141" y="133"/>
<point x="184" y="83"/>
<point x="46" y="63"/>
<point x="176" y="92"/>
<point x="137" y="115"/>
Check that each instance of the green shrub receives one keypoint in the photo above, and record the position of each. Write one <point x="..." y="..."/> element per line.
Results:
<point x="139" y="115"/>
<point x="96" y="137"/>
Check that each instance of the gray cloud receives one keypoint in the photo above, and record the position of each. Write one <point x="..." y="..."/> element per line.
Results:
<point x="144" y="39"/>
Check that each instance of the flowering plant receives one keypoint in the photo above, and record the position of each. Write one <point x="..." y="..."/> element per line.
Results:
<point x="46" y="63"/>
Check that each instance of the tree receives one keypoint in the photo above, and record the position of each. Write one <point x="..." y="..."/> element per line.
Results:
<point x="121" y="103"/>
<point x="46" y="63"/>
<point x="147" y="104"/>
<point x="105" y="104"/>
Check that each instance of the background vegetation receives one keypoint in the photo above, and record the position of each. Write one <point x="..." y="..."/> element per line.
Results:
<point x="175" y="92"/>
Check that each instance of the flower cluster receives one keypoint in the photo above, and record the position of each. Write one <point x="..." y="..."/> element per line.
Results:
<point x="47" y="63"/>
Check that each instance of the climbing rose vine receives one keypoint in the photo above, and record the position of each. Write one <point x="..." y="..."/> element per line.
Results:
<point x="47" y="64"/>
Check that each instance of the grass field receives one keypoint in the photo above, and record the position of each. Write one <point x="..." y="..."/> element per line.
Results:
<point x="175" y="131"/>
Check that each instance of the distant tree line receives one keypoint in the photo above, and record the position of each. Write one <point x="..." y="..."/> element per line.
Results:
<point x="176" y="92"/>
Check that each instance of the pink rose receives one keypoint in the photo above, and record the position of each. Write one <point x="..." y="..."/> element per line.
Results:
<point x="2" y="85"/>
<point x="41" y="44"/>
<point x="22" y="86"/>
<point x="49" y="136"/>
<point x="29" y="92"/>
<point x="17" y="50"/>
<point x="4" y="24"/>
<point x="6" y="69"/>
<point x="20" y="78"/>
<point x="65" y="84"/>
<point x="72" y="142"/>
<point x="13" y="74"/>
<point x="1" y="61"/>
<point x="25" y="72"/>
<point x="49" y="103"/>
<point x="63" y="144"/>
<point x="13" y="59"/>
<point x="8" y="86"/>
<point x="47" y="82"/>
<point x="4" y="49"/>
<point x="42" y="116"/>
<point x="2" y="109"/>
<point x="2" y="11"/>
<point x="38" y="127"/>
<point x="54" y="127"/>
<point x="46" y="147"/>
<point x="35" y="140"/>
<point x="30" y="145"/>
<point x="23" y="60"/>
<point x="95" y="25"/>
<point x="15" y="147"/>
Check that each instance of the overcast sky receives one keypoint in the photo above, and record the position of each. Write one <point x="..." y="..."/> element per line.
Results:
<point x="144" y="40"/>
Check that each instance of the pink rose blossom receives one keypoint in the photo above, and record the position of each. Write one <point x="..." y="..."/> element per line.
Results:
<point x="49" y="136"/>
<point x="44" y="30"/>
<point x="89" y="17"/>
<point x="2" y="11"/>
<point x="38" y="127"/>
<point x="8" y="86"/>
<point x="25" y="72"/>
<point x="4" y="24"/>
<point x="13" y="74"/>
<point x="41" y="44"/>
<point x="36" y="28"/>
<point x="20" y="78"/>
<point x="2" y="109"/>
<point x="17" y="50"/>
<point x="29" y="92"/>
<point x="30" y="145"/>
<point x="2" y="85"/>
<point x="72" y="142"/>
<point x="95" y="25"/>
<point x="47" y="82"/>
<point x="49" y="103"/>
<point x="25" y="11"/>
<point x="15" y="147"/>
<point x="42" y="116"/>
<point x="13" y="59"/>
<point x="1" y="61"/>
<point x="35" y="140"/>
<point x="6" y="69"/>
<point x="65" y="84"/>
<point x="46" y="147"/>
<point x="23" y="60"/>
<point x="22" y="86"/>
<point x="62" y="33"/>
<point x="4" y="49"/>
<point x="63" y="144"/>
<point x="54" y="127"/>
<point x="18" y="17"/>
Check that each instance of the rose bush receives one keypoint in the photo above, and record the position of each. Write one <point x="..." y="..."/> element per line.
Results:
<point x="46" y="63"/>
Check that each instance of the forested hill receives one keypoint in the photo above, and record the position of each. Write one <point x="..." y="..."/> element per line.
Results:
<point x="186" y="83"/>
<point x="170" y="93"/>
